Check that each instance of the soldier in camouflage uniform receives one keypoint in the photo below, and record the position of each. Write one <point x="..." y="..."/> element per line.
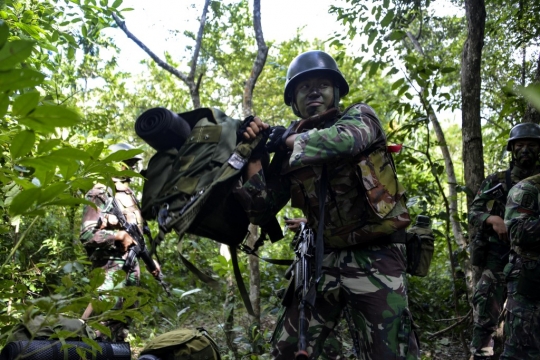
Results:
<point x="486" y="215"/>
<point x="105" y="243"/>
<point x="522" y="321"/>
<point x="365" y="215"/>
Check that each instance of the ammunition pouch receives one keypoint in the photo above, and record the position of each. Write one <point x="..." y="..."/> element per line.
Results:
<point x="529" y="279"/>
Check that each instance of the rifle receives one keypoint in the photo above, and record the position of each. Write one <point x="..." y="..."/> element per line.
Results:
<point x="138" y="249"/>
<point x="305" y="287"/>
<point x="304" y="282"/>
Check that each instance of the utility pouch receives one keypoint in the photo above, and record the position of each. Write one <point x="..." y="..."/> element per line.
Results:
<point x="479" y="249"/>
<point x="529" y="280"/>
<point x="420" y="247"/>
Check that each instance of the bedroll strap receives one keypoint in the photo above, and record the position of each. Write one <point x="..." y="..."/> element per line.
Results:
<point x="213" y="283"/>
<point x="240" y="281"/>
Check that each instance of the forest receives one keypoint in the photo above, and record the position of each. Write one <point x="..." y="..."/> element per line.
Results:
<point x="414" y="65"/>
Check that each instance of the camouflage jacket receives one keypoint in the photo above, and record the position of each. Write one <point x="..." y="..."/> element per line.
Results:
<point x="364" y="199"/>
<point x="100" y="241"/>
<point x="522" y="217"/>
<point x="485" y="205"/>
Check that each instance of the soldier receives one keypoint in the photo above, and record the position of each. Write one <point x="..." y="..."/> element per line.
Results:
<point x="486" y="215"/>
<point x="105" y="243"/>
<point x="522" y="320"/>
<point x="362" y="218"/>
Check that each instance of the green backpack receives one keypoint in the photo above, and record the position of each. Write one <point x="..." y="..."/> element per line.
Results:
<point x="188" y="188"/>
<point x="182" y="344"/>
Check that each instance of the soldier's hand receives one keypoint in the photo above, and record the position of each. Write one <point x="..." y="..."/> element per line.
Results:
<point x="156" y="272"/>
<point x="124" y="239"/>
<point x="497" y="223"/>
<point x="294" y="224"/>
<point x="254" y="128"/>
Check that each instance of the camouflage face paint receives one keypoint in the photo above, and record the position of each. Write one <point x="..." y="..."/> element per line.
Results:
<point x="314" y="95"/>
<point x="525" y="152"/>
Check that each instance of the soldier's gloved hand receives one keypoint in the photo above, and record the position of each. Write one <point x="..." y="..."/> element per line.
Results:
<point x="250" y="128"/>
<point x="275" y="140"/>
<point x="124" y="240"/>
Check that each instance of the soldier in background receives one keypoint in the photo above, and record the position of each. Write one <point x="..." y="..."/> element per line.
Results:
<point x="106" y="244"/>
<point x="491" y="246"/>
<point x="522" y="321"/>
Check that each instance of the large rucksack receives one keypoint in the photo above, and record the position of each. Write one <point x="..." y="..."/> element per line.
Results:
<point x="188" y="186"/>
<point x="181" y="344"/>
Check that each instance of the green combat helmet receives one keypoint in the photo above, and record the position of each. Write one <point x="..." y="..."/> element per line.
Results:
<point x="314" y="62"/>
<point x="523" y="131"/>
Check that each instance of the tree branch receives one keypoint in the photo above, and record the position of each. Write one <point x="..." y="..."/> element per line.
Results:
<point x="122" y="25"/>
<point x="451" y="326"/>
<point x="198" y="42"/>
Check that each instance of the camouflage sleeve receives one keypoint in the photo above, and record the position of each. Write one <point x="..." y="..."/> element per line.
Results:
<point x="90" y="235"/>
<point x="352" y="134"/>
<point x="482" y="205"/>
<point x="522" y="216"/>
<point x="262" y="198"/>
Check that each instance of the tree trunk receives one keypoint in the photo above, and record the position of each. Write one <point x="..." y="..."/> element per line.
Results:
<point x="471" y="81"/>
<point x="449" y="164"/>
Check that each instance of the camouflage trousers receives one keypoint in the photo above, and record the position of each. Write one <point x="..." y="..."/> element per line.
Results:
<point x="521" y="326"/>
<point x="371" y="283"/>
<point x="488" y="300"/>
<point x="119" y="329"/>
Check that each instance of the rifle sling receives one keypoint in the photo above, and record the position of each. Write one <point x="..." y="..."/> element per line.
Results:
<point x="319" y="243"/>
<point x="202" y="276"/>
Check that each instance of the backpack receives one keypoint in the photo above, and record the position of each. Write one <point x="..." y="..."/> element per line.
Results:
<point x="181" y="344"/>
<point x="188" y="187"/>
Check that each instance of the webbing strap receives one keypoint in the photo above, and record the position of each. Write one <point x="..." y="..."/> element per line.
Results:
<point x="319" y="244"/>
<point x="240" y="282"/>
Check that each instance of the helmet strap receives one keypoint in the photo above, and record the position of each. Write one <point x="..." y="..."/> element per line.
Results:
<point x="336" y="97"/>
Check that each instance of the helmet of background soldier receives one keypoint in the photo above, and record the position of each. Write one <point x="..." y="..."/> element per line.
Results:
<point x="528" y="130"/>
<point x="314" y="62"/>
<point x="123" y="146"/>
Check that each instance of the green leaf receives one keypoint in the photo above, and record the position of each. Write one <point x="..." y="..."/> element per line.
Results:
<point x="116" y="3"/>
<point x="71" y="153"/>
<point x="531" y="93"/>
<point x="47" y="145"/>
<point x="4" y="103"/>
<point x="48" y="117"/>
<point x="15" y="52"/>
<point x="122" y="155"/>
<point x="96" y="278"/>
<point x="387" y="19"/>
<point x="4" y="32"/>
<point x="446" y="70"/>
<point x="25" y="103"/>
<point x="52" y="192"/>
<point x="398" y="83"/>
<point x="22" y="143"/>
<point x="16" y="79"/>
<point x="23" y="201"/>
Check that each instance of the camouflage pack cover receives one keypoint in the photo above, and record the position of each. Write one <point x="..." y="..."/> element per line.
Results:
<point x="183" y="344"/>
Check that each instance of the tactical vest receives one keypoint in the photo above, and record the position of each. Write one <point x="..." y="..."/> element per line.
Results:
<point x="369" y="181"/>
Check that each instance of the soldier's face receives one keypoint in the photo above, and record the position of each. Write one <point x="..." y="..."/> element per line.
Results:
<point x="526" y="152"/>
<point x="314" y="95"/>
